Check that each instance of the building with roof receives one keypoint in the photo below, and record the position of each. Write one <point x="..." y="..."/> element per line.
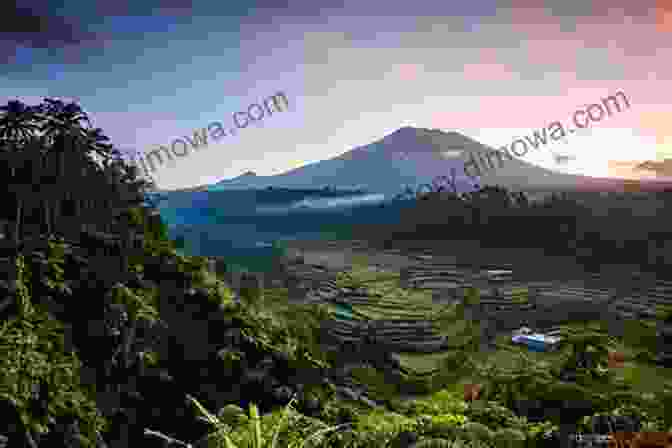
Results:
<point x="537" y="342"/>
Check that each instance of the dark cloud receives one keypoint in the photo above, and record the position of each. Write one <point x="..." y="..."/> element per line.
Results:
<point x="40" y="24"/>
<point x="37" y="27"/>
<point x="124" y="8"/>
<point x="66" y="30"/>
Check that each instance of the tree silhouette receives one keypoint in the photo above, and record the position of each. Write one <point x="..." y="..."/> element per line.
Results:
<point x="54" y="147"/>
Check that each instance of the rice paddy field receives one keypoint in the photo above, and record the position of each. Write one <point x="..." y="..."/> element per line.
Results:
<point x="388" y="301"/>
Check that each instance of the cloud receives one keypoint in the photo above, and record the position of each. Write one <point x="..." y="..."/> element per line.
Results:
<point x="65" y="32"/>
<point x="24" y="29"/>
<point x="22" y="25"/>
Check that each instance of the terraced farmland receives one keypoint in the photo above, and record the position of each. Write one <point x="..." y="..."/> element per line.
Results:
<point x="424" y="327"/>
<point x="394" y="318"/>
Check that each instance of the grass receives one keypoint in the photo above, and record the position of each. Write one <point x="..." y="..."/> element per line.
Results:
<point x="424" y="363"/>
<point x="645" y="378"/>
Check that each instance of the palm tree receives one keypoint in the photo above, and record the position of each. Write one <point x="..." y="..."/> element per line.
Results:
<point x="36" y="150"/>
<point x="18" y="123"/>
<point x="96" y="142"/>
<point x="62" y="125"/>
<point x="36" y="144"/>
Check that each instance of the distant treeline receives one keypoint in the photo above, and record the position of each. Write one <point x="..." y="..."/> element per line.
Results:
<point x="596" y="228"/>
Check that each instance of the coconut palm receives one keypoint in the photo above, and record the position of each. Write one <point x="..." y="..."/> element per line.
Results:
<point x="62" y="125"/>
<point x="36" y="144"/>
<point x="97" y="143"/>
<point x="18" y="124"/>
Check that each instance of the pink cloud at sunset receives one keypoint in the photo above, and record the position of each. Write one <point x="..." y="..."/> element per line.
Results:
<point x="664" y="16"/>
<point x="409" y="72"/>
<point x="488" y="72"/>
<point x="494" y="70"/>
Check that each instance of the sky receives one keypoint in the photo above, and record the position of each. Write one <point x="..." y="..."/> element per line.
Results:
<point x="352" y="72"/>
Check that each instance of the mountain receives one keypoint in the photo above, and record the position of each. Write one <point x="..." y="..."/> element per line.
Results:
<point x="415" y="156"/>
<point x="246" y="176"/>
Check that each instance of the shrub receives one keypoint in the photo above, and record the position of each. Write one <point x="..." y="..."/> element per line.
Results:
<point x="535" y="431"/>
<point x="509" y="438"/>
<point x="493" y="415"/>
<point x="33" y="350"/>
<point x="435" y="443"/>
<point x="477" y="432"/>
<point x="378" y="426"/>
<point x="446" y="425"/>
<point x="285" y="428"/>
<point x="232" y="415"/>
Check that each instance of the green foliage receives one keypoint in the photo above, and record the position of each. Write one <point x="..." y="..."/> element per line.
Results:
<point x="295" y="331"/>
<point x="23" y="293"/>
<point x="150" y="358"/>
<point x="379" y="426"/>
<point x="33" y="350"/>
<point x="446" y="425"/>
<point x="509" y="438"/>
<point x="493" y="415"/>
<point x="452" y="369"/>
<point x="435" y="443"/>
<point x="232" y="415"/>
<point x="375" y="382"/>
<point x="286" y="428"/>
<point x="535" y="430"/>
<point x="193" y="268"/>
<point x="664" y="312"/>
<point x="472" y="296"/>
<point x="140" y="305"/>
<point x="349" y="279"/>
<point x="54" y="278"/>
<point x="416" y="384"/>
<point x="443" y="402"/>
<point x="477" y="432"/>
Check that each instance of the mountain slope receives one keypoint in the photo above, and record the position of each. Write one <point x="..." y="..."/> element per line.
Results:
<point x="412" y="156"/>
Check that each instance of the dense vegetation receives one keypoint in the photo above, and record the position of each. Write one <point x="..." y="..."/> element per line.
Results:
<point x="95" y="353"/>
<point x="624" y="228"/>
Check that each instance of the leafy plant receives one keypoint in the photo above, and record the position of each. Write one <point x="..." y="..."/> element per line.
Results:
<point x="223" y="435"/>
<point x="492" y="414"/>
<point x="54" y="278"/>
<point x="140" y="305"/>
<point x="232" y="415"/>
<point x="438" y="443"/>
<point x="509" y="438"/>
<point x="33" y="350"/>
<point x="477" y="432"/>
<point x="446" y="425"/>
<point x="150" y="358"/>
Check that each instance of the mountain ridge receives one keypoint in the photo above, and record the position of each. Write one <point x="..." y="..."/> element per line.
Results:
<point x="413" y="156"/>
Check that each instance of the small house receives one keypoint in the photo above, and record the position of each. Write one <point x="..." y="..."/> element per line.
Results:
<point x="536" y="341"/>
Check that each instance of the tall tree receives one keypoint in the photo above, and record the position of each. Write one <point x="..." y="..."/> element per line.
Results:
<point x="18" y="123"/>
<point x="62" y="123"/>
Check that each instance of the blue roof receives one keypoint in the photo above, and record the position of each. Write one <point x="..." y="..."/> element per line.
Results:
<point x="535" y="338"/>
